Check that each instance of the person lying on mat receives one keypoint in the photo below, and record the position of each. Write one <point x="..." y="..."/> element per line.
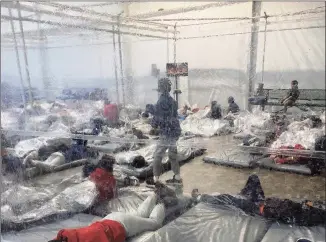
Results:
<point x="253" y="202"/>
<point x="118" y="226"/>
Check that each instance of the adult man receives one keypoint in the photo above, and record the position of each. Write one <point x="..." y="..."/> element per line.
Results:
<point x="165" y="118"/>
<point x="292" y="96"/>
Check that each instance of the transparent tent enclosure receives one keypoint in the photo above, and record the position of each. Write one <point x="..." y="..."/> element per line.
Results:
<point x="123" y="48"/>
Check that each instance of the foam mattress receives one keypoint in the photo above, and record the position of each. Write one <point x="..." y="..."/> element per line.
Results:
<point x="209" y="223"/>
<point x="268" y="163"/>
<point x="233" y="158"/>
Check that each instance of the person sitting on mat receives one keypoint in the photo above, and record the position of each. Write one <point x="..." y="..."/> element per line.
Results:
<point x="292" y="96"/>
<point x="118" y="226"/>
<point x="253" y="202"/>
<point x="216" y="111"/>
<point x="233" y="107"/>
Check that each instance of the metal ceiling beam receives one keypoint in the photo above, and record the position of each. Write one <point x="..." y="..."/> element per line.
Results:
<point x="79" y="26"/>
<point x="182" y="10"/>
<point x="82" y="10"/>
<point x="97" y="21"/>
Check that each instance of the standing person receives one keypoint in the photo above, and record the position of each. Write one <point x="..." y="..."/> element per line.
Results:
<point x="292" y="95"/>
<point x="165" y="118"/>
<point x="233" y="107"/>
<point x="111" y="113"/>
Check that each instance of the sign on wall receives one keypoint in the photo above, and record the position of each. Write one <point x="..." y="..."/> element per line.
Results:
<point x="178" y="69"/>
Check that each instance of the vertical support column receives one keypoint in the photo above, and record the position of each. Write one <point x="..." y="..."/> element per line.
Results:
<point x="127" y="57"/>
<point x="43" y="59"/>
<point x="25" y="54"/>
<point x="121" y="66"/>
<point x="115" y="66"/>
<point x="175" y="62"/>
<point x="17" y="57"/>
<point x="167" y="46"/>
<point x="256" y="8"/>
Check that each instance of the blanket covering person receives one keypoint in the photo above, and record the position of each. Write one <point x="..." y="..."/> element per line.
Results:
<point x="253" y="202"/>
<point x="165" y="118"/>
<point x="118" y="226"/>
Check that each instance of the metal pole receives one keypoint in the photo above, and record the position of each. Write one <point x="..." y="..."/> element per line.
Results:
<point x="25" y="54"/>
<point x="256" y="7"/>
<point x="43" y="57"/>
<point x="121" y="67"/>
<point x="167" y="47"/>
<point x="115" y="66"/>
<point x="17" y="58"/>
<point x="175" y="62"/>
<point x="263" y="64"/>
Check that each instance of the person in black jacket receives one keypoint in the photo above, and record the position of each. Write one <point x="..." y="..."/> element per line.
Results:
<point x="165" y="119"/>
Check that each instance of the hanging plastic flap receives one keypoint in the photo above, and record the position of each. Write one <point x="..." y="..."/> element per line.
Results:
<point x="46" y="232"/>
<point x="234" y="158"/>
<point x="208" y="223"/>
<point x="269" y="163"/>
<point x="283" y="232"/>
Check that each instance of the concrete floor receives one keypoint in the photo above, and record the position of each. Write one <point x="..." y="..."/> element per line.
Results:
<point x="209" y="178"/>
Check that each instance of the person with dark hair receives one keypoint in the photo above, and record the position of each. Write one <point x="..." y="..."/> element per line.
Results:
<point x="165" y="118"/>
<point x="253" y="202"/>
<point x="292" y="96"/>
<point x="233" y="107"/>
<point x="216" y="111"/>
<point x="102" y="176"/>
<point x="118" y="226"/>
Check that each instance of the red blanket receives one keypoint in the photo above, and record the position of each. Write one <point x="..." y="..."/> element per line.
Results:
<point x="102" y="231"/>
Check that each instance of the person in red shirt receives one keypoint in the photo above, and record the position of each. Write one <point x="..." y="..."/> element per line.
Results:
<point x="118" y="226"/>
<point x="111" y="113"/>
<point x="103" y="178"/>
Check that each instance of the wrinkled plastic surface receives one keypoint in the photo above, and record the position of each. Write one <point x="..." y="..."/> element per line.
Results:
<point x="45" y="204"/>
<point x="200" y="125"/>
<point x="209" y="223"/>
<point x="286" y="233"/>
<point x="300" y="133"/>
<point x="26" y="146"/>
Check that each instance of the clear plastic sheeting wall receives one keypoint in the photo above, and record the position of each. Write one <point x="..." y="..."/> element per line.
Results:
<point x="78" y="135"/>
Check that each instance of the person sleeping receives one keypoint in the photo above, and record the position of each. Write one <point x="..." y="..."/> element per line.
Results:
<point x="253" y="202"/>
<point x="118" y="226"/>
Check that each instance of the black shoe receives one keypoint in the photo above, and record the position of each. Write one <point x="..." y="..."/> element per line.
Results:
<point x="174" y="181"/>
